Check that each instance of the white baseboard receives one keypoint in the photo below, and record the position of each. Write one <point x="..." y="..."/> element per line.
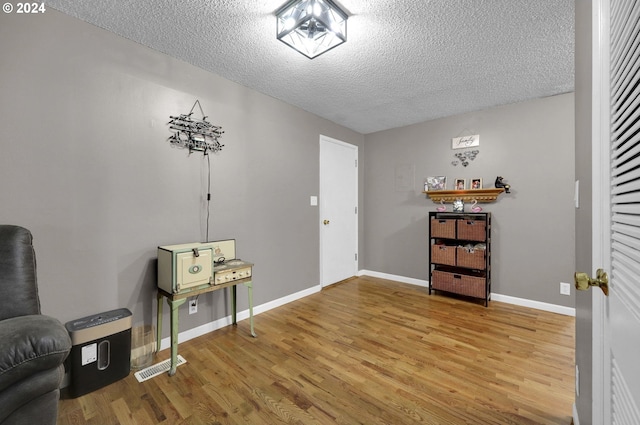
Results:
<point x="226" y="321"/>
<point x="409" y="280"/>
<point x="576" y="420"/>
<point x="241" y="315"/>
<point x="553" y="308"/>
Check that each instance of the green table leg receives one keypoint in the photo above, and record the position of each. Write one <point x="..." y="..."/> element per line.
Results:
<point x="159" y="322"/>
<point x="174" y="333"/>
<point x="249" y="285"/>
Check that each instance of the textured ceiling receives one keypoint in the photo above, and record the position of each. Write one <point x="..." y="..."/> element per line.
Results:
<point x="404" y="62"/>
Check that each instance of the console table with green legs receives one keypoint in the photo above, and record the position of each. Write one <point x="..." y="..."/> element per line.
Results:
<point x="179" y="298"/>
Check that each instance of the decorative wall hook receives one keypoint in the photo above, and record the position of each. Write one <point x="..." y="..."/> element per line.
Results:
<point x="196" y="135"/>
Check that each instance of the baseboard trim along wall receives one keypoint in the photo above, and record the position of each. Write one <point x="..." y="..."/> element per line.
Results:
<point x="226" y="321"/>
<point x="241" y="315"/>
<point x="410" y="280"/>
<point x="553" y="308"/>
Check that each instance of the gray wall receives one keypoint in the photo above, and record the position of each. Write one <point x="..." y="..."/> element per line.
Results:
<point x="86" y="166"/>
<point x="583" y="104"/>
<point x="531" y="144"/>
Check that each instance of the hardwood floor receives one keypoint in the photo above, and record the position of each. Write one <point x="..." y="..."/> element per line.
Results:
<point x="364" y="351"/>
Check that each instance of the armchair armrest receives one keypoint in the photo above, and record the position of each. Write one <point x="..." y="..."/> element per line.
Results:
<point x="30" y="344"/>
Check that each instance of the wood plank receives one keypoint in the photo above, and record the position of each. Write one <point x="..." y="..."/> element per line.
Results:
<point x="369" y="351"/>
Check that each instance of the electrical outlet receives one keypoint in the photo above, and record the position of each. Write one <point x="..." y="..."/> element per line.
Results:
<point x="193" y="306"/>
<point x="565" y="288"/>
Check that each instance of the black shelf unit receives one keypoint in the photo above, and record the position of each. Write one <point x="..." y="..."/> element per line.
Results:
<point x="457" y="264"/>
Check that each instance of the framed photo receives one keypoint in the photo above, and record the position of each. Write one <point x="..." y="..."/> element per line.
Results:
<point x="435" y="183"/>
<point x="459" y="184"/>
<point x="476" y="183"/>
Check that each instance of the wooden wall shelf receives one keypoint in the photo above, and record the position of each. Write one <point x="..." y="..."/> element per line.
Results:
<point x="480" y="195"/>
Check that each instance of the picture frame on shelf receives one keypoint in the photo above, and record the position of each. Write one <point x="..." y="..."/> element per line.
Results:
<point x="435" y="183"/>
<point x="476" y="183"/>
<point x="460" y="184"/>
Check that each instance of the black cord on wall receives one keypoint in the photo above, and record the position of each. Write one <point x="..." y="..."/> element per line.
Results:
<point x="208" y="193"/>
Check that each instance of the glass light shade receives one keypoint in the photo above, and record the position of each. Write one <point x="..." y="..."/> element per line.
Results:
<point x="311" y="27"/>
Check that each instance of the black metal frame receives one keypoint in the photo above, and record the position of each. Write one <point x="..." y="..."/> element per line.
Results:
<point x="486" y="273"/>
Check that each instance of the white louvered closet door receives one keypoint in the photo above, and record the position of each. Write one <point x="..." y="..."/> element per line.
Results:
<point x="623" y="304"/>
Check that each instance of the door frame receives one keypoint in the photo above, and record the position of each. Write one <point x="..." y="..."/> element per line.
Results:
<point x="601" y="207"/>
<point x="327" y="139"/>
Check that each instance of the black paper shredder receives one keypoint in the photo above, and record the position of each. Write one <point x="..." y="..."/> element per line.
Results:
<point x="100" y="351"/>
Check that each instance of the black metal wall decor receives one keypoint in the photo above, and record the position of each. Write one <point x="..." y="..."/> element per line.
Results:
<point x="195" y="135"/>
<point x="465" y="157"/>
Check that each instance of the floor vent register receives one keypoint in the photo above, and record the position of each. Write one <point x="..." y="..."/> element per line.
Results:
<point x="157" y="369"/>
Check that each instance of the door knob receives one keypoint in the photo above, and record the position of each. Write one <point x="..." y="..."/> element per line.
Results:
<point x="325" y="222"/>
<point x="584" y="282"/>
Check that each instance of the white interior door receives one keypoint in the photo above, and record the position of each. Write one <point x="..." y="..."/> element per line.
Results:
<point x="338" y="210"/>
<point x="617" y="204"/>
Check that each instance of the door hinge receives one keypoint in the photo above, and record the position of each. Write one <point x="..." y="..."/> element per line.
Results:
<point x="356" y="163"/>
<point x="356" y="256"/>
<point x="356" y="210"/>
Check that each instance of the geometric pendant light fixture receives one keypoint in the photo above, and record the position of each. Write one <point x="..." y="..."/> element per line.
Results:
<point x="311" y="27"/>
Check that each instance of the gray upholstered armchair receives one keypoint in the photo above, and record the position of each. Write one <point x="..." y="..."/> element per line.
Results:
<point x="33" y="347"/>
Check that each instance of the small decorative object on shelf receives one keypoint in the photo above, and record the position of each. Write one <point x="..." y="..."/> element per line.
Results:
<point x="458" y="206"/>
<point x="435" y="183"/>
<point x="442" y="207"/>
<point x="501" y="184"/>
<point x="475" y="208"/>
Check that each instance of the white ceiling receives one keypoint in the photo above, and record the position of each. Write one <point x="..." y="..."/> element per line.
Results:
<point x="404" y="62"/>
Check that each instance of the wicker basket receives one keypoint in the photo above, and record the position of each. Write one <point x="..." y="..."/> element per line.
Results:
<point x="441" y="228"/>
<point x="443" y="254"/>
<point x="472" y="259"/>
<point x="458" y="283"/>
<point x="472" y="230"/>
